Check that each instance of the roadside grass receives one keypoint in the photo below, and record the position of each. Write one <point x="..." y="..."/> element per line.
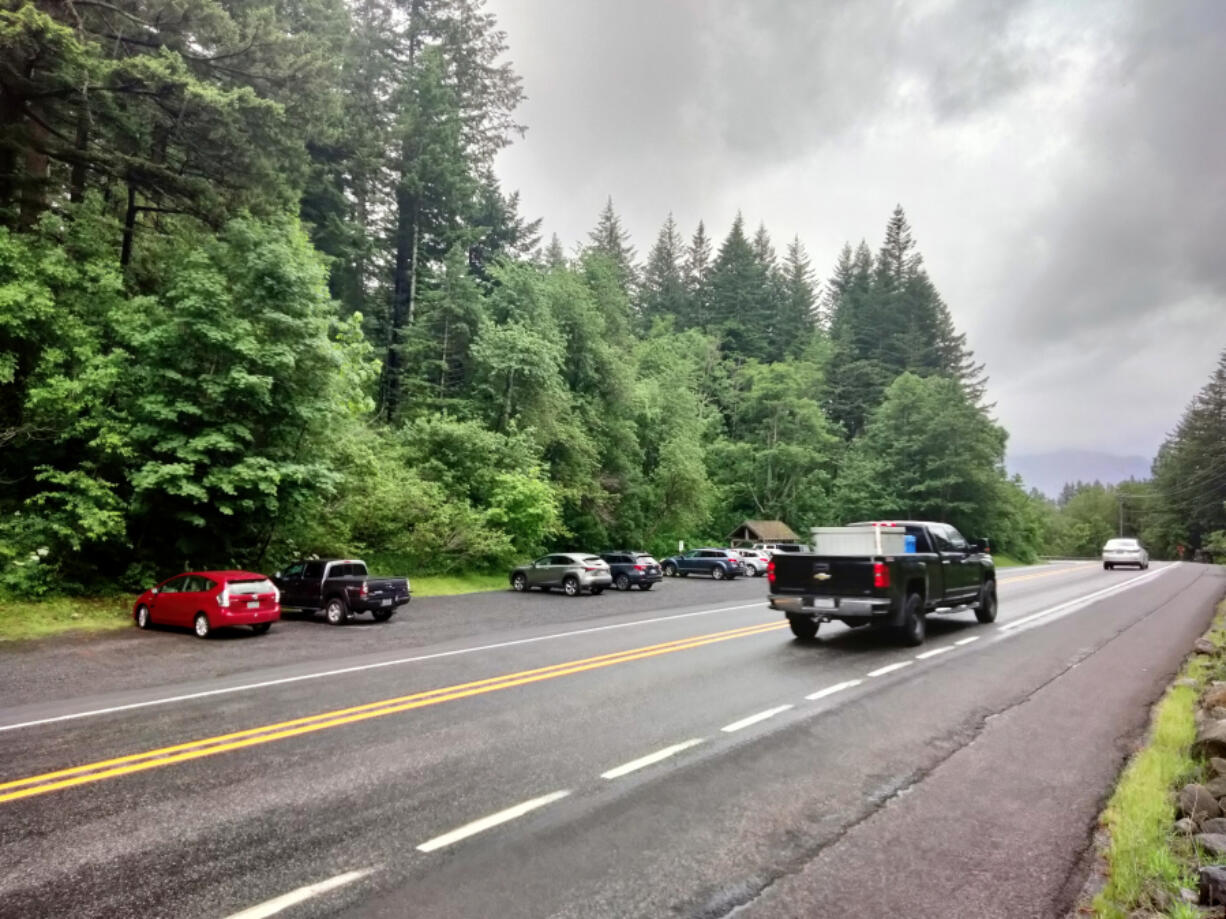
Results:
<point x="446" y="585"/>
<point x="1004" y="561"/>
<point x="1147" y="862"/>
<point x="21" y="619"/>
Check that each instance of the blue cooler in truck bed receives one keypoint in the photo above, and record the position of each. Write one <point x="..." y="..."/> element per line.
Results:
<point x="908" y="543"/>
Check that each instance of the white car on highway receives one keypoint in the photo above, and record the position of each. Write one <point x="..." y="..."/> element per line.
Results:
<point x="1124" y="552"/>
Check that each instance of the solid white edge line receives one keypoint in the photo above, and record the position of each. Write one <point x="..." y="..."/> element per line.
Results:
<point x="831" y="690"/>
<point x="1088" y="598"/>
<point x="754" y="719"/>
<point x="966" y="641"/>
<point x="358" y="668"/>
<point x="933" y="653"/>
<point x="493" y="820"/>
<point x="649" y="759"/>
<point x="294" y="897"/>
<point x="889" y="668"/>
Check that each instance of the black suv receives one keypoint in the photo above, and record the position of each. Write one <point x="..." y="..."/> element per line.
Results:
<point x="630" y="568"/>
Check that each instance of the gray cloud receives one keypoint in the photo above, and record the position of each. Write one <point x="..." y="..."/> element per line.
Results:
<point x="1061" y="165"/>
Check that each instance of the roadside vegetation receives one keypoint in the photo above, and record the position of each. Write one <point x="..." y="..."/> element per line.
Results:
<point x="1148" y="862"/>
<point x="55" y="615"/>
<point x="272" y="301"/>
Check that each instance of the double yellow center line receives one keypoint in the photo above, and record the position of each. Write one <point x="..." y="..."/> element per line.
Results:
<point x="222" y="743"/>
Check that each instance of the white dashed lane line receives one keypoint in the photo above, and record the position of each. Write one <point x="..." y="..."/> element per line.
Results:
<point x="294" y="897"/>
<point x="890" y="668"/>
<point x="650" y="759"/>
<point x="831" y="690"/>
<point x="966" y="641"/>
<point x="493" y="820"/>
<point x="933" y="653"/>
<point x="754" y="719"/>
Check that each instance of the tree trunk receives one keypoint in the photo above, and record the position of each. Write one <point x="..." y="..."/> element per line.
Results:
<point x="404" y="290"/>
<point x="76" y="182"/>
<point x="129" y="228"/>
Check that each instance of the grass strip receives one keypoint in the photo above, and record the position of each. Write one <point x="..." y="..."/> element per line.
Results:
<point x="1147" y="862"/>
<point x="53" y="616"/>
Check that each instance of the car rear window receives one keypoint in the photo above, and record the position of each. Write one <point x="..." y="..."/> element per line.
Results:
<point x="261" y="586"/>
<point x="1121" y="544"/>
<point x="645" y="559"/>
<point x="589" y="559"/>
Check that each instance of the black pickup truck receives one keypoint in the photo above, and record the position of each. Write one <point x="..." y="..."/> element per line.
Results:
<point x="340" y="587"/>
<point x="945" y="573"/>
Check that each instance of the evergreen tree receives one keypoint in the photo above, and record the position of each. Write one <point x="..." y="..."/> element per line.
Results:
<point x="555" y="255"/>
<point x="611" y="242"/>
<point x="740" y="297"/>
<point x="1190" y="469"/>
<point x="795" y="320"/>
<point x="663" y="291"/>
<point x="856" y="387"/>
<point x="698" y="279"/>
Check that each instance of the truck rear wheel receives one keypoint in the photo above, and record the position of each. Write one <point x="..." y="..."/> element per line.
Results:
<point x="985" y="610"/>
<point x="803" y="627"/>
<point x="913" y="629"/>
<point x="336" y="611"/>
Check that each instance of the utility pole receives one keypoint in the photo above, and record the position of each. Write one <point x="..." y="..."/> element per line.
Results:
<point x="1120" y="498"/>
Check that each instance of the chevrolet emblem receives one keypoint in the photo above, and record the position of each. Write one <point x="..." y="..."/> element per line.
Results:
<point x="821" y="576"/>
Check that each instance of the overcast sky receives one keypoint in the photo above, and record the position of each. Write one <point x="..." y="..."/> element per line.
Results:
<point x="1063" y="166"/>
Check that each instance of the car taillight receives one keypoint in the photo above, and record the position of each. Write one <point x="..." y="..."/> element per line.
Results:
<point x="591" y="569"/>
<point x="223" y="598"/>
<point x="276" y="594"/>
<point x="638" y="568"/>
<point x="881" y="575"/>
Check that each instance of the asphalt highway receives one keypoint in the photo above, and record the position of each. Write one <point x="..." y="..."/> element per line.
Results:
<point x="669" y="753"/>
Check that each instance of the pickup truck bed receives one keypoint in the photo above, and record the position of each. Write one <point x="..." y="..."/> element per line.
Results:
<point x="886" y="590"/>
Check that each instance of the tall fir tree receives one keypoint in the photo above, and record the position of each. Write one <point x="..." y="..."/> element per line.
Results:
<point x="796" y="318"/>
<point x="663" y="290"/>
<point x="610" y="241"/>
<point x="555" y="255"/>
<point x="698" y="279"/>
<point x="740" y="297"/>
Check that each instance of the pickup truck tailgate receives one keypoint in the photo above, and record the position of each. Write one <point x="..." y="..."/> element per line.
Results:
<point x="386" y="587"/>
<point x="826" y="575"/>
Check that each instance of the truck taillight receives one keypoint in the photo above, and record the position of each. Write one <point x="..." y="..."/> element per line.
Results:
<point x="365" y="590"/>
<point x="770" y="572"/>
<point x="881" y="575"/>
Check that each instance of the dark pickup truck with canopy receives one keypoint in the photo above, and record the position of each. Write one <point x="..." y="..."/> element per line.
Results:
<point x="885" y="575"/>
<point x="340" y="587"/>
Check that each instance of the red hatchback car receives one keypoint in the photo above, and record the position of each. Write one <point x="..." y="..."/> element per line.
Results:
<point x="207" y="600"/>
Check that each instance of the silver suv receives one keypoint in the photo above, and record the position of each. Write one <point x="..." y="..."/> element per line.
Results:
<point x="572" y="572"/>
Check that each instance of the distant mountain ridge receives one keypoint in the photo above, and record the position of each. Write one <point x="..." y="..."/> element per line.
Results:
<point x="1048" y="472"/>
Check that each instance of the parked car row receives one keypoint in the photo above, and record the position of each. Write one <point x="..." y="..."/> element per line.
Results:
<point x="209" y="600"/>
<point x="576" y="572"/>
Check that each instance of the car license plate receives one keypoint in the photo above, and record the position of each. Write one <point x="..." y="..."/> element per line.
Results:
<point x="385" y="602"/>
<point x="824" y="603"/>
<point x="253" y="604"/>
